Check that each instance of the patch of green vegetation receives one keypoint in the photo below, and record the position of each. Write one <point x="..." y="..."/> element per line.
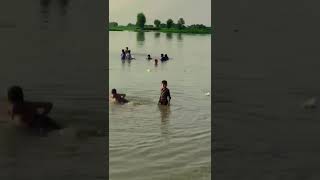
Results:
<point x="168" y="27"/>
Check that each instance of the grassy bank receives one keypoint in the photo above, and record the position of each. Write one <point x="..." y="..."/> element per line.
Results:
<point x="166" y="30"/>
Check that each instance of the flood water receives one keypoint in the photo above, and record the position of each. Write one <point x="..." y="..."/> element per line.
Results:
<point x="56" y="51"/>
<point x="152" y="142"/>
<point x="263" y="75"/>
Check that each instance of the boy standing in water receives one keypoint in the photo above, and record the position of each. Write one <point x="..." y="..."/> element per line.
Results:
<point x="29" y="114"/>
<point x="118" y="98"/>
<point x="123" y="55"/>
<point x="164" y="94"/>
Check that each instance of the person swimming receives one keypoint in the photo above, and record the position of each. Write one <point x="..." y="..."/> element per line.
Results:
<point x="156" y="62"/>
<point x="118" y="98"/>
<point x="166" y="57"/>
<point x="123" y="55"/>
<point x="127" y="50"/>
<point x="165" y="96"/>
<point x="29" y="114"/>
<point x="149" y="57"/>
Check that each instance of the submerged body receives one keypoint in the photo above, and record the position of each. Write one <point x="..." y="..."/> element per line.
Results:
<point x="29" y="114"/>
<point x="118" y="98"/>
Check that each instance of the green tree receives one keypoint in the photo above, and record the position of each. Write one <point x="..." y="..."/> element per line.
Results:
<point x="157" y="23"/>
<point x="113" y="24"/>
<point x="181" y="23"/>
<point x="169" y="23"/>
<point x="163" y="25"/>
<point x="141" y="20"/>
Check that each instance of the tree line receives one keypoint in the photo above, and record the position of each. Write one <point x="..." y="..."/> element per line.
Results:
<point x="141" y="23"/>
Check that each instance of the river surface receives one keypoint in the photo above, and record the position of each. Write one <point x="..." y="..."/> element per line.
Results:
<point x="151" y="142"/>
<point x="56" y="51"/>
<point x="265" y="74"/>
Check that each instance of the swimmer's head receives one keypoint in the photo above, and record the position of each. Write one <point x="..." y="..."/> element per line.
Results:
<point x="149" y="55"/>
<point x="113" y="91"/>
<point x="165" y="55"/>
<point x="161" y="55"/>
<point x="129" y="51"/>
<point x="122" y="50"/>
<point x="164" y="83"/>
<point x="127" y="48"/>
<point x="15" y="94"/>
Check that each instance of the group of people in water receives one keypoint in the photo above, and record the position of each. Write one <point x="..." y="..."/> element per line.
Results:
<point x="164" y="98"/>
<point x="34" y="115"/>
<point x="126" y="55"/>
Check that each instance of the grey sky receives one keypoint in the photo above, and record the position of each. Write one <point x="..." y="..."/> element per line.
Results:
<point x="193" y="11"/>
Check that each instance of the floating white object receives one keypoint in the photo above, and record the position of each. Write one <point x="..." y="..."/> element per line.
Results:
<point x="148" y="70"/>
<point x="310" y="103"/>
<point x="208" y="94"/>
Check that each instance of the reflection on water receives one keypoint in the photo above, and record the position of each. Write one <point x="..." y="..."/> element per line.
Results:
<point x="140" y="38"/>
<point x="63" y="6"/>
<point x="46" y="6"/>
<point x="169" y="36"/>
<point x="179" y="37"/>
<point x="164" y="112"/>
<point x="157" y="35"/>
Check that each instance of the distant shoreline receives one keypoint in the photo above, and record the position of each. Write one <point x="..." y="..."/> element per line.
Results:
<point x="165" y="30"/>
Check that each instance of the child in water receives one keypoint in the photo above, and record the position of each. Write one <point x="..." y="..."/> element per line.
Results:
<point x="118" y="98"/>
<point x="123" y="55"/>
<point x="129" y="56"/>
<point x="29" y="114"/>
<point x="166" y="57"/>
<point x="164" y="94"/>
<point x="149" y="57"/>
<point x="162" y="58"/>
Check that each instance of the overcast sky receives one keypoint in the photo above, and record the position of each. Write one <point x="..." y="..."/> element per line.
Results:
<point x="193" y="11"/>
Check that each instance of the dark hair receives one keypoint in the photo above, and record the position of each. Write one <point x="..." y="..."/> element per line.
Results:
<point x="165" y="55"/>
<point x="161" y="54"/>
<point x="164" y="82"/>
<point x="114" y="91"/>
<point x="129" y="51"/>
<point x="148" y="54"/>
<point x="127" y="48"/>
<point x="15" y="94"/>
